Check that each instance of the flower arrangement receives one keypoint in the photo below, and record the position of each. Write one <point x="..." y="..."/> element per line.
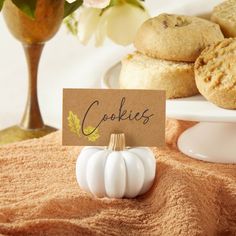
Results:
<point x="115" y="19"/>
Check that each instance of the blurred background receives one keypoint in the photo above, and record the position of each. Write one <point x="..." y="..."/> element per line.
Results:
<point x="67" y="64"/>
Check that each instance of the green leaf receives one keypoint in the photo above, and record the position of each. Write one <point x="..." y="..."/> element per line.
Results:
<point x="1" y="4"/>
<point x="133" y="2"/>
<point x="114" y="2"/>
<point x="72" y="24"/>
<point x="92" y="133"/>
<point x="27" y="6"/>
<point x="71" y="7"/>
<point x="136" y="3"/>
<point x="74" y="123"/>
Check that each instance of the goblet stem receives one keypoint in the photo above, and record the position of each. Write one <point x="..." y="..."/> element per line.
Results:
<point x="32" y="118"/>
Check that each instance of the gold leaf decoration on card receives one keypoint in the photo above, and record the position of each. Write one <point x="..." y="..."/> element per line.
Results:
<point x="89" y="132"/>
<point x="94" y="133"/>
<point x="74" y="123"/>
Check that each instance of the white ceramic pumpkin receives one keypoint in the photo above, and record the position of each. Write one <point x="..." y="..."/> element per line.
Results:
<point x="116" y="172"/>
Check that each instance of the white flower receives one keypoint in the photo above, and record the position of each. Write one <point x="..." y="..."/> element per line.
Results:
<point x="87" y="24"/>
<point x="120" y="23"/>
<point x="96" y="3"/>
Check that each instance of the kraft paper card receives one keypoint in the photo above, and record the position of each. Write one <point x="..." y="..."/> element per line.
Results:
<point x="90" y="116"/>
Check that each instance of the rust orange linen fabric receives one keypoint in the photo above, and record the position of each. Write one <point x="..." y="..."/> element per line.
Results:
<point x="39" y="194"/>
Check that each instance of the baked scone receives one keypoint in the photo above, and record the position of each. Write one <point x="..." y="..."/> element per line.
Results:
<point x="225" y="15"/>
<point x="176" y="37"/>
<point x="215" y="73"/>
<point x="142" y="72"/>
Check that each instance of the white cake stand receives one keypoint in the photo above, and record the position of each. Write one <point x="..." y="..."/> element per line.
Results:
<point x="211" y="140"/>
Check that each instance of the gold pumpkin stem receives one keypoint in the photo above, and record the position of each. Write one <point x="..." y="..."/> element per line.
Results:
<point x="117" y="142"/>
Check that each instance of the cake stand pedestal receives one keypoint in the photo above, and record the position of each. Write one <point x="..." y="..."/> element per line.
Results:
<point x="211" y="140"/>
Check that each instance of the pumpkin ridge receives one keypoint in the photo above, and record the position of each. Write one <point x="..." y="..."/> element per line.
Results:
<point x="130" y="150"/>
<point x="90" y="175"/>
<point x="111" y="177"/>
<point x="129" y="168"/>
<point x="108" y="153"/>
<point x="126" y="174"/>
<point x="149" y="165"/>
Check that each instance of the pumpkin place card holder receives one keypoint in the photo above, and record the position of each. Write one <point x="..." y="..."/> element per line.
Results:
<point x="115" y="171"/>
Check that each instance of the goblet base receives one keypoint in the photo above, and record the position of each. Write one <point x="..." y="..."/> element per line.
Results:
<point x="16" y="134"/>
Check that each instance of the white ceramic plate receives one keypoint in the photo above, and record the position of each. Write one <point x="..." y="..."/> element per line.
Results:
<point x="195" y="108"/>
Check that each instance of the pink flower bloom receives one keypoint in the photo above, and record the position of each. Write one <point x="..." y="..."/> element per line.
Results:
<point x="96" y="3"/>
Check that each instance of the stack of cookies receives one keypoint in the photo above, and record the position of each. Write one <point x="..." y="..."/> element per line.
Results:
<point x="215" y="69"/>
<point x="167" y="47"/>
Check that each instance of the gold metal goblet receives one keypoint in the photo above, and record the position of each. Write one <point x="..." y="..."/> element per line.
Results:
<point x="32" y="33"/>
